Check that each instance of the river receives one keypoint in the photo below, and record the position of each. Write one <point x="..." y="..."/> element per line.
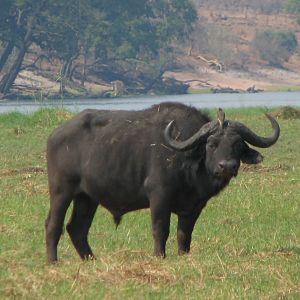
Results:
<point x="141" y="102"/>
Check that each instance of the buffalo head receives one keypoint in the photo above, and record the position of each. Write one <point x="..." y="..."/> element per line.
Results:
<point x="225" y="144"/>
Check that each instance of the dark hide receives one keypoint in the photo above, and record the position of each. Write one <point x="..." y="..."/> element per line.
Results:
<point x="120" y="160"/>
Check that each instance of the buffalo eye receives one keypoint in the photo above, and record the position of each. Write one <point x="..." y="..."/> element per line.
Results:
<point x="212" y="146"/>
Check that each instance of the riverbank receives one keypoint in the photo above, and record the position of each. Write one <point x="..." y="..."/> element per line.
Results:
<point x="270" y="79"/>
<point x="32" y="85"/>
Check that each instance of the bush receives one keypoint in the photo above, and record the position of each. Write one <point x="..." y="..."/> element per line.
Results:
<point x="275" y="47"/>
<point x="293" y="7"/>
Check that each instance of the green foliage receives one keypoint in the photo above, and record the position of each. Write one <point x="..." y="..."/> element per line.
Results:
<point x="143" y="34"/>
<point x="286" y="39"/>
<point x="275" y="47"/>
<point x="110" y="31"/>
<point x="293" y="7"/>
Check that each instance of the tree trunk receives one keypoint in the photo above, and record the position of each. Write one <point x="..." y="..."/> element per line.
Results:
<point x="83" y="76"/>
<point x="66" y="73"/>
<point x="69" y="67"/>
<point x="9" y="78"/>
<point x="149" y="86"/>
<point x="6" y="53"/>
<point x="62" y="80"/>
<point x="63" y="76"/>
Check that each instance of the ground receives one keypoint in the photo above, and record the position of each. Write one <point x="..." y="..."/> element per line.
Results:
<point x="265" y="78"/>
<point x="233" y="30"/>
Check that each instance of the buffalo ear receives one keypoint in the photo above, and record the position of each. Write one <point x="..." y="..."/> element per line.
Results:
<point x="251" y="156"/>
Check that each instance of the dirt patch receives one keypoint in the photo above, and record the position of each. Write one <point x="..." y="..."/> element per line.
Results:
<point x="144" y="273"/>
<point x="23" y="171"/>
<point x="7" y="229"/>
<point x="264" y="169"/>
<point x="279" y="252"/>
<point x="198" y="76"/>
<point x="65" y="115"/>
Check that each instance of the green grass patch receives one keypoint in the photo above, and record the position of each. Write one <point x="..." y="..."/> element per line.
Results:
<point x="282" y="88"/>
<point x="246" y="244"/>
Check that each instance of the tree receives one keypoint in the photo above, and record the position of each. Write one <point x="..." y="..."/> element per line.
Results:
<point x="9" y="24"/>
<point x="122" y="35"/>
<point x="275" y="47"/>
<point x="64" y="24"/>
<point x="293" y="7"/>
<point x="138" y="42"/>
<point x="20" y="20"/>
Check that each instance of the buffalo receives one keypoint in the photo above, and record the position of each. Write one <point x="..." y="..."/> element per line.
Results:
<point x="171" y="158"/>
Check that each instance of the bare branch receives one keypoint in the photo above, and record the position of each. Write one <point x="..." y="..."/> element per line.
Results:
<point x="33" y="65"/>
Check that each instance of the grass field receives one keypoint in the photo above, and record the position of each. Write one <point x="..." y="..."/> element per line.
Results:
<point x="246" y="244"/>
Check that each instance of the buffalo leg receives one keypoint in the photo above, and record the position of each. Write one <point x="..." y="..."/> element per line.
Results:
<point x="78" y="227"/>
<point x="160" y="216"/>
<point x="54" y="223"/>
<point x="184" y="232"/>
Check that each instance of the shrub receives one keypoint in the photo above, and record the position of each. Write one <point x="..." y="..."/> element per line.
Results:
<point x="275" y="47"/>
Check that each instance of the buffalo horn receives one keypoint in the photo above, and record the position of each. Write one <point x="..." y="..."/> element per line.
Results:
<point x="200" y="136"/>
<point x="255" y="140"/>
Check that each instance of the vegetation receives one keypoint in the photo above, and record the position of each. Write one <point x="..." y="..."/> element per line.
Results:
<point x="83" y="47"/>
<point x="245" y="34"/>
<point x="246" y="244"/>
<point x="275" y="47"/>
<point x="115" y="37"/>
<point x="267" y="6"/>
<point x="293" y="7"/>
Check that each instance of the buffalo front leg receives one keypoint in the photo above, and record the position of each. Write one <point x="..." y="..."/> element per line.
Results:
<point x="160" y="216"/>
<point x="185" y="228"/>
<point x="78" y="227"/>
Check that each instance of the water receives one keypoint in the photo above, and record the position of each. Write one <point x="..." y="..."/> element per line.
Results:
<point x="141" y="102"/>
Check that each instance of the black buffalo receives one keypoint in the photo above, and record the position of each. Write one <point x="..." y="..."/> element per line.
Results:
<point x="170" y="157"/>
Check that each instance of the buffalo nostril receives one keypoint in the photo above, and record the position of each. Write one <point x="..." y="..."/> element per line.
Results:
<point x="229" y="166"/>
<point x="222" y="165"/>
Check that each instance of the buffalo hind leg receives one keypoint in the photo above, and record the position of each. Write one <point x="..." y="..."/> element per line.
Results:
<point x="160" y="217"/>
<point x="54" y="223"/>
<point x="80" y="222"/>
<point x="185" y="228"/>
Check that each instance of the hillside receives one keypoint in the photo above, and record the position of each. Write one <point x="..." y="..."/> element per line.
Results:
<point x="230" y="35"/>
